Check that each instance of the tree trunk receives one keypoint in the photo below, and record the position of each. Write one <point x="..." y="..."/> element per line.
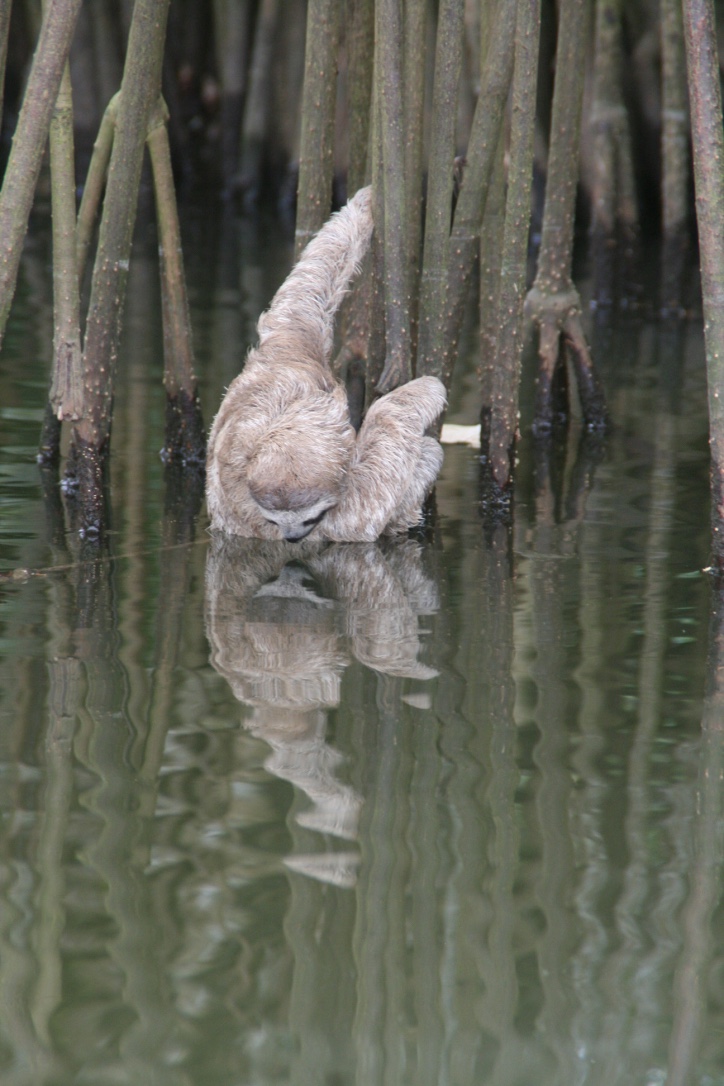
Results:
<point x="66" y="393"/>
<point x="504" y="421"/>
<point x="139" y="91"/>
<point x="433" y="285"/>
<point x="482" y="148"/>
<point x="4" y="28"/>
<point x="708" y="143"/>
<point x="256" y="113"/>
<point x="316" y="153"/>
<point x="414" y="61"/>
<point x="185" y="437"/>
<point x="94" y="184"/>
<point x="553" y="301"/>
<point x="26" y="154"/>
<point x="675" y="139"/>
<point x="360" y="64"/>
<point x="397" y="300"/>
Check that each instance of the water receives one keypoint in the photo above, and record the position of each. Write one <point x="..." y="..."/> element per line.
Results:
<point x="446" y="811"/>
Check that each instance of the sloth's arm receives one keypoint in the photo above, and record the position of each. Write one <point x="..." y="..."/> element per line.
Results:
<point x="394" y="464"/>
<point x="302" y="311"/>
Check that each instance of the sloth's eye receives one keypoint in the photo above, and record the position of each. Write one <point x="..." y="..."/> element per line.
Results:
<point x="313" y="520"/>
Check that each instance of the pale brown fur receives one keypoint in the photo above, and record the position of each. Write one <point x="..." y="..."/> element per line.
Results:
<point x="293" y="654"/>
<point x="283" y="459"/>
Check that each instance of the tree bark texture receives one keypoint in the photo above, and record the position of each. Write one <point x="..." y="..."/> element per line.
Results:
<point x="26" y="154"/>
<point x="66" y="393"/>
<point x="675" y="156"/>
<point x="185" y="438"/>
<point x="360" y="54"/>
<point x="504" y="420"/>
<point x="434" y="281"/>
<point x="139" y="91"/>
<point x="614" y="194"/>
<point x="94" y="184"/>
<point x="414" y="66"/>
<point x="4" y="28"/>
<point x="554" y="302"/>
<point x="258" y="100"/>
<point x="482" y="148"/>
<point x="397" y="301"/>
<point x="491" y="246"/>
<point x="708" y="145"/>
<point x="674" y="121"/>
<point x="316" y="153"/>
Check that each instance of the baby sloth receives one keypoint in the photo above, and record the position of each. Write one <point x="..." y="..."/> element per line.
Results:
<point x="284" y="460"/>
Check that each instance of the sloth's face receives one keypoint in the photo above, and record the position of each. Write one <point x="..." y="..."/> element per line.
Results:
<point x="298" y="470"/>
<point x="296" y="524"/>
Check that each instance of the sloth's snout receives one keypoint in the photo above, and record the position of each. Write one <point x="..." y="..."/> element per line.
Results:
<point x="295" y="534"/>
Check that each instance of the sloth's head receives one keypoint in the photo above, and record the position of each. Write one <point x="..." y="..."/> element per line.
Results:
<point x="296" y="512"/>
<point x="295" y="477"/>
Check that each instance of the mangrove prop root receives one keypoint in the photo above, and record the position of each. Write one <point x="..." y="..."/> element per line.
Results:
<point x="511" y="295"/>
<point x="183" y="495"/>
<point x="590" y="389"/>
<point x="85" y="486"/>
<point x="496" y="501"/>
<point x="66" y="392"/>
<point x="28" y="146"/>
<point x="708" y="145"/>
<point x="396" y="273"/>
<point x="559" y="314"/>
<point x="316" y="163"/>
<point x="549" y="354"/>
<point x="185" y="434"/>
<point x="49" y="449"/>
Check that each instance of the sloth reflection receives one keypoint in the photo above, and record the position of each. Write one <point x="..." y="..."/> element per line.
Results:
<point x="283" y="622"/>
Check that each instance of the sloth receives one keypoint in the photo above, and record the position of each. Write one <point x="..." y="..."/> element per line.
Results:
<point x="284" y="461"/>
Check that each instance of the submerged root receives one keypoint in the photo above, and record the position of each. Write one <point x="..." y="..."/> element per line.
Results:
<point x="185" y="434"/>
<point x="558" y="316"/>
<point x="85" y="489"/>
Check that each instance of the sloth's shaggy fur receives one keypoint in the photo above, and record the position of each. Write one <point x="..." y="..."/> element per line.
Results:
<point x="283" y="459"/>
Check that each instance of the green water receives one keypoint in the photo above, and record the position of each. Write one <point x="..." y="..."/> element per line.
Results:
<point x="441" y="812"/>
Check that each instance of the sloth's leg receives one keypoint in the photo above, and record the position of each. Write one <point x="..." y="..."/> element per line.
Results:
<point x="393" y="466"/>
<point x="409" y="508"/>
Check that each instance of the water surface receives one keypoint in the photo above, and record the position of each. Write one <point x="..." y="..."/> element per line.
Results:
<point x="440" y="811"/>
